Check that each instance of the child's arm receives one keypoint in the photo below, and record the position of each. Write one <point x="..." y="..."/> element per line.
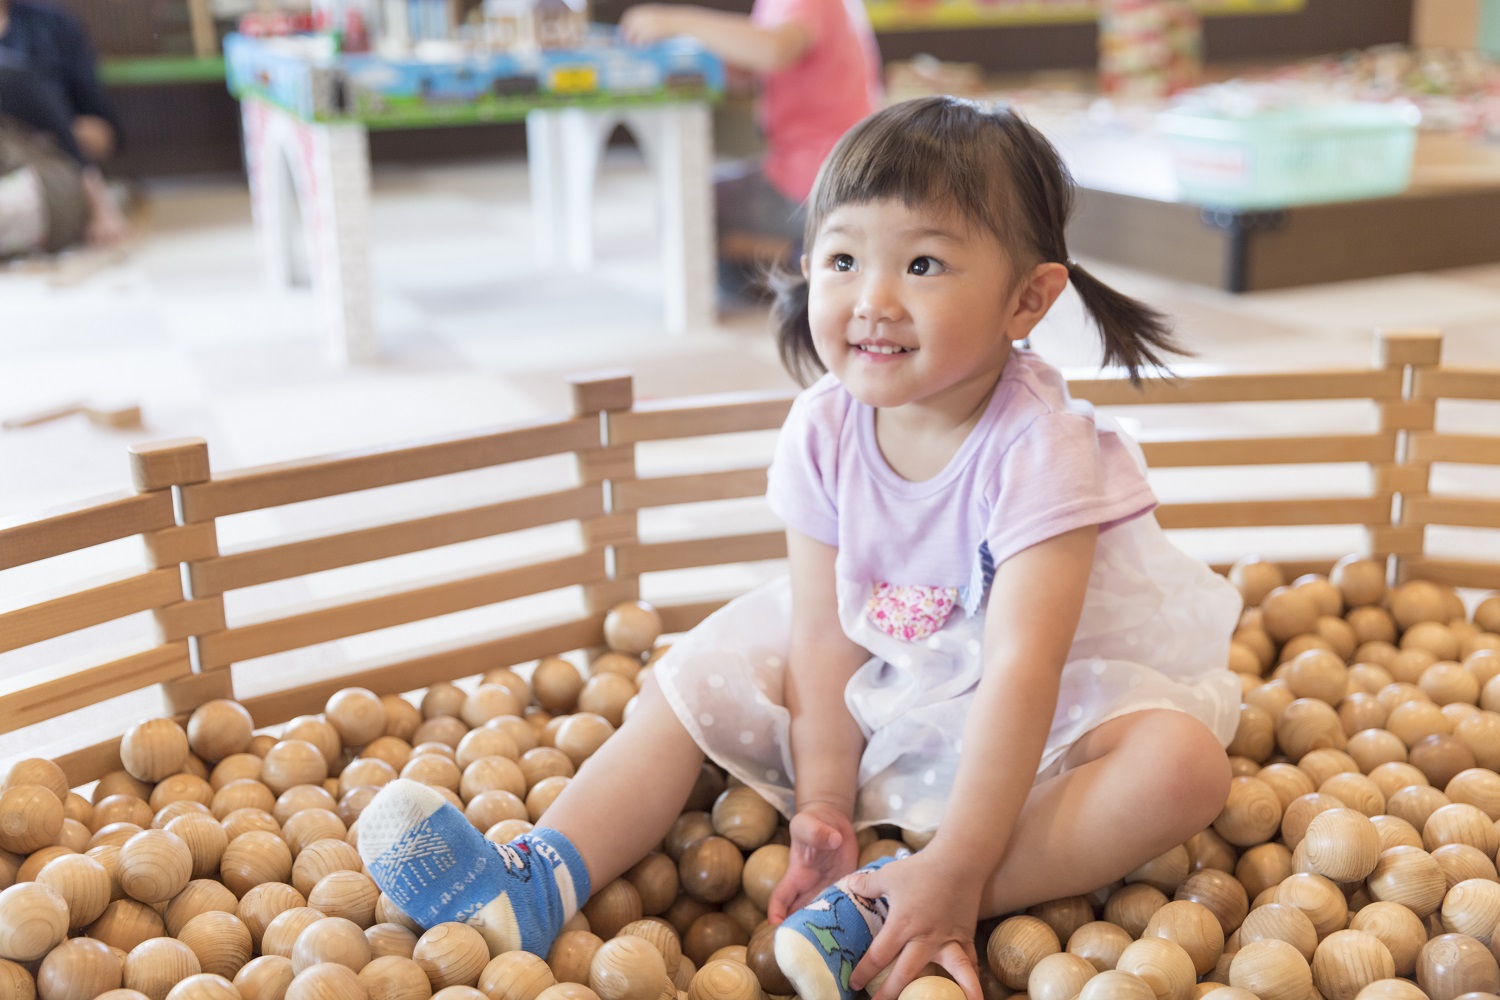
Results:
<point x="1030" y="620"/>
<point x="732" y="37"/>
<point x="826" y="741"/>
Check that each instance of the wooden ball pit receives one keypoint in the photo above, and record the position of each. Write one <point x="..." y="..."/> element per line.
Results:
<point x="1408" y="661"/>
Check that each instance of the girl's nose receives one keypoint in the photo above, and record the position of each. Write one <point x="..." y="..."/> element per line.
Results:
<point x="878" y="300"/>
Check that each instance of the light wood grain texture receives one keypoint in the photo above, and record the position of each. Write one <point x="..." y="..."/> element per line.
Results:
<point x="30" y="700"/>
<point x="1457" y="383"/>
<point x="1269" y="387"/>
<point x="1408" y="415"/>
<point x="662" y="491"/>
<point x="1394" y="348"/>
<point x="1476" y="449"/>
<point x="1393" y="478"/>
<point x="181" y="543"/>
<point x="90" y="763"/>
<point x="651" y="557"/>
<point x="613" y="389"/>
<point x="414" y="673"/>
<point x="296" y="558"/>
<point x="397" y="607"/>
<point x="185" y="618"/>
<point x="681" y="617"/>
<point x="1397" y="540"/>
<point x="105" y="602"/>
<point x="181" y="695"/>
<point x="1466" y="512"/>
<point x="311" y="478"/>
<point x="1269" y="513"/>
<point x="160" y="464"/>
<point x="729" y="414"/>
<point x="78" y="526"/>
<point x="1196" y="452"/>
<point x="1453" y="572"/>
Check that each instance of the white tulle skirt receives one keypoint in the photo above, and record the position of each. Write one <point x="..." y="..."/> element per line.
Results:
<point x="1154" y="633"/>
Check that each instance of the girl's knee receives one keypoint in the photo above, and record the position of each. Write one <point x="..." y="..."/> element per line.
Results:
<point x="1196" y="767"/>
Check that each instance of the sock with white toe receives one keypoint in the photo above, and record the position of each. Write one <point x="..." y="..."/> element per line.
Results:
<point x="818" y="946"/>
<point x="436" y="867"/>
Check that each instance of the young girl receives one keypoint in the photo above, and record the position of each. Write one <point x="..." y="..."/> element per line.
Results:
<point x="796" y="48"/>
<point x="984" y="632"/>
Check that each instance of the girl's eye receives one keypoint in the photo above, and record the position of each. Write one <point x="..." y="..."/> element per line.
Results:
<point x="924" y="266"/>
<point x="843" y="262"/>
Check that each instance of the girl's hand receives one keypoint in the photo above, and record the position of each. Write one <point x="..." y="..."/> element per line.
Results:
<point x="824" y="850"/>
<point x="645" y="23"/>
<point x="934" y="907"/>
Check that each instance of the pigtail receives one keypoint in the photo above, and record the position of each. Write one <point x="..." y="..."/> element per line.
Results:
<point x="1135" y="336"/>
<point x="794" y="342"/>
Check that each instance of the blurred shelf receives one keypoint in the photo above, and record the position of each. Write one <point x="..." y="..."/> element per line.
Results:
<point x="154" y="70"/>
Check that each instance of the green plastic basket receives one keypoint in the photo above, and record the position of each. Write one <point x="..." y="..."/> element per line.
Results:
<point x="1274" y="159"/>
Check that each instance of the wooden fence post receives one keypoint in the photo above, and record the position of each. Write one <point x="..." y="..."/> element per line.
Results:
<point x="1407" y="350"/>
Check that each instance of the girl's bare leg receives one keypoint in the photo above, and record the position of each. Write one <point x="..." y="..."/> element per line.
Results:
<point x="1130" y="790"/>
<point x="624" y="799"/>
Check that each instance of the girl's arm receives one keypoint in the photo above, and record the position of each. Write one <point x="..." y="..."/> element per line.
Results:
<point x="732" y="37"/>
<point x="826" y="741"/>
<point x="1030" y="620"/>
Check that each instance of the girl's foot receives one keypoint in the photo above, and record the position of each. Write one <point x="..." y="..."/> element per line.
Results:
<point x="436" y="867"/>
<point x="818" y="946"/>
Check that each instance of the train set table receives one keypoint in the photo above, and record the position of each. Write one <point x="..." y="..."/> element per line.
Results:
<point x="307" y="112"/>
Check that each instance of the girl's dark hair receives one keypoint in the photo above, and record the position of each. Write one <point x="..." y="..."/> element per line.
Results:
<point x="995" y="169"/>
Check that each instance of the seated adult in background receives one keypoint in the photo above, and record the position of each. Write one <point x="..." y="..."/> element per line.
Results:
<point x="819" y="72"/>
<point x="56" y="126"/>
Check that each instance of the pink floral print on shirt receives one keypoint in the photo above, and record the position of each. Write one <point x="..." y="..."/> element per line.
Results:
<point x="910" y="613"/>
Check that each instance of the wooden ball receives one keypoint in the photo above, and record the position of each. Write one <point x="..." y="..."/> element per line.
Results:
<point x="515" y="975"/>
<point x="543" y="794"/>
<point x="1307" y="724"/>
<point x="125" y="923"/>
<point x="938" y="988"/>
<point x="205" y="840"/>
<point x="1472" y="907"/>
<point x="1359" y="579"/>
<point x="572" y="954"/>
<point x="79" y="969"/>
<point x="1255" y="737"/>
<point x="253" y="858"/>
<point x="1410" y="877"/>
<point x="556" y="684"/>
<point x="83" y="883"/>
<point x="711" y="870"/>
<point x="1416" y="804"/>
<point x="285" y="929"/>
<point x="660" y="934"/>
<point x="1319" y="674"/>
<point x="1452" y="964"/>
<point x="1255" y="578"/>
<point x="451" y="954"/>
<point x="327" y="981"/>
<point x="322" y="858"/>
<point x="264" y="978"/>
<point x="1100" y="942"/>
<point x="1192" y="927"/>
<point x="31" y="817"/>
<point x="1059" y="976"/>
<point x="1397" y="927"/>
<point x="1288" y="612"/>
<point x="198" y="897"/>
<point x="335" y="940"/>
<point x="1064" y="915"/>
<point x="1461" y="862"/>
<point x="1348" y="961"/>
<point x="489" y="701"/>
<point x="1165" y="871"/>
<point x="581" y="735"/>
<point x="655" y="878"/>
<point x="1131" y="907"/>
<point x="219" y="729"/>
<point x="358" y="714"/>
<point x="710" y="932"/>
<point x="392" y="977"/>
<point x="614" y="906"/>
<point x="402" y="717"/>
<point x="1317" y="897"/>
<point x="485" y="742"/>
<point x="390" y="939"/>
<point x="263" y="903"/>
<point x="1115" y="985"/>
<point x="1271" y="969"/>
<point x="741" y="816"/>
<point x="33" y="919"/>
<point x="1458" y="823"/>
<point x="348" y="894"/>
<point x="1162" y="964"/>
<point x="628" y="968"/>
<point x="37" y="771"/>
<point x="632" y="627"/>
<point x="1016" y="945"/>
<point x="1251" y="815"/>
<point x="578" y="991"/>
<point x="1441" y="758"/>
<point x="204" y="986"/>
<point x="154" y="866"/>
<point x="1220" y="892"/>
<point x="1342" y="844"/>
<point x="605" y="694"/>
<point x="293" y="762"/>
<point x="1392" y="989"/>
<point x="1280" y="922"/>
<point x="153" y="749"/>
<point x="153" y="967"/>
<point x="220" y="940"/>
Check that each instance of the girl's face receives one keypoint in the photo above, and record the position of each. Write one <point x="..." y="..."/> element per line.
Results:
<point x="911" y="305"/>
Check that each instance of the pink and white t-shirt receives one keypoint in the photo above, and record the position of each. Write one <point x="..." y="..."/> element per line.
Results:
<point x="1035" y="466"/>
<point x="807" y="107"/>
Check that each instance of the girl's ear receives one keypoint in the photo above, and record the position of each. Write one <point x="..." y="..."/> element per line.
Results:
<point x="1037" y="290"/>
<point x="804" y="267"/>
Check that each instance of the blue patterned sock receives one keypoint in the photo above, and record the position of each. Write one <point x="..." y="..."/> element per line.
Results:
<point x="818" y="946"/>
<point x="436" y="867"/>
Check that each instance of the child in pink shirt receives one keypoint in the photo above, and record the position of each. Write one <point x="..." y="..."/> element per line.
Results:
<point x="820" y="73"/>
